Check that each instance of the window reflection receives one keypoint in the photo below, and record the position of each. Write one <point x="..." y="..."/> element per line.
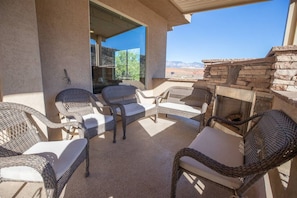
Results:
<point x="117" y="49"/>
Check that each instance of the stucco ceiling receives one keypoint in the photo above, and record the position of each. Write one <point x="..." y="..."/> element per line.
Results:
<point x="192" y="6"/>
<point x="175" y="11"/>
<point x="106" y="24"/>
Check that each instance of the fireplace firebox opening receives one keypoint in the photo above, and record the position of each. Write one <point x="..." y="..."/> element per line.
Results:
<point x="235" y="105"/>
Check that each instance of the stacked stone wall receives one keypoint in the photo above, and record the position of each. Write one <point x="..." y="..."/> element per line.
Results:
<point x="284" y="77"/>
<point x="253" y="74"/>
<point x="276" y="72"/>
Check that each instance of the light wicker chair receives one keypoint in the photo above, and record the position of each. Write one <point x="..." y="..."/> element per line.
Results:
<point x="237" y="162"/>
<point x="84" y="107"/>
<point x="188" y="102"/>
<point x="24" y="156"/>
<point x="126" y="101"/>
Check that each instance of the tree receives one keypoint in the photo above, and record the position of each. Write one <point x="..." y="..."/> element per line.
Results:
<point x="127" y="64"/>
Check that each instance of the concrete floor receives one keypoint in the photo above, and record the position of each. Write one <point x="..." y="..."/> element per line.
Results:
<point x="139" y="166"/>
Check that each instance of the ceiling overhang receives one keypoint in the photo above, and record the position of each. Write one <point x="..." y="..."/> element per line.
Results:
<point x="168" y="11"/>
<point x="106" y="24"/>
<point x="192" y="6"/>
<point x="177" y="12"/>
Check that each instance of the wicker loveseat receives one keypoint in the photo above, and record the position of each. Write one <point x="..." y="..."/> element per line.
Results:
<point x="126" y="101"/>
<point x="189" y="102"/>
<point x="238" y="161"/>
<point x="27" y="156"/>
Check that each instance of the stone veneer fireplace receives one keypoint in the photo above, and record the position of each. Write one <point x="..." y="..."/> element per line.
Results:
<point x="234" y="105"/>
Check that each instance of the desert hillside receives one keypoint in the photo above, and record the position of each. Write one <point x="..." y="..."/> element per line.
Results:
<point x="184" y="73"/>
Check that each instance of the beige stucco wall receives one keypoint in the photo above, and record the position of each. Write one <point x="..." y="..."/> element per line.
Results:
<point x="21" y="79"/>
<point x="39" y="39"/>
<point x="63" y="28"/>
<point x="156" y="34"/>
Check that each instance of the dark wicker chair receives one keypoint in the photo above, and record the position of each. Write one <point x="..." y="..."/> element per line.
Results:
<point x="126" y="101"/>
<point x="84" y="107"/>
<point x="188" y="102"/>
<point x="237" y="162"/>
<point x="25" y="157"/>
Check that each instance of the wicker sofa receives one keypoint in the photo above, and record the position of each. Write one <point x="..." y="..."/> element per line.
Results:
<point x="235" y="162"/>
<point x="126" y="101"/>
<point x="189" y="102"/>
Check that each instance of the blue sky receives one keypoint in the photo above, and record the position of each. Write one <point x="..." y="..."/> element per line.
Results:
<point x="248" y="31"/>
<point x="128" y="40"/>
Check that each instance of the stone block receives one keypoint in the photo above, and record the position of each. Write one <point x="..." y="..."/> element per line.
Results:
<point x="256" y="67"/>
<point x="241" y="82"/>
<point x="259" y="85"/>
<point x="283" y="82"/>
<point x="285" y="65"/>
<point x="253" y="72"/>
<point x="255" y="78"/>
<point x="286" y="57"/>
<point x="218" y="72"/>
<point x="292" y="88"/>
<point x="285" y="72"/>
<point x="279" y="87"/>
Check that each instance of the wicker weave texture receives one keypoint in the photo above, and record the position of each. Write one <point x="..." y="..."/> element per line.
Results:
<point x="190" y="96"/>
<point x="19" y="132"/>
<point x="75" y="103"/>
<point x="120" y="95"/>
<point x="271" y="142"/>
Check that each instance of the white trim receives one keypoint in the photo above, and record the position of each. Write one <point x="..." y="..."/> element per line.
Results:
<point x="290" y="37"/>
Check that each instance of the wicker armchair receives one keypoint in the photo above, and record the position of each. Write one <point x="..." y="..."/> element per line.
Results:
<point x="84" y="107"/>
<point x="236" y="162"/>
<point x="25" y="157"/>
<point x="126" y="101"/>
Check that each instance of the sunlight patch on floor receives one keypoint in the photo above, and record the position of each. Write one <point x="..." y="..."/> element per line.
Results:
<point x="102" y="136"/>
<point x="153" y="128"/>
<point x="198" y="185"/>
<point x="284" y="173"/>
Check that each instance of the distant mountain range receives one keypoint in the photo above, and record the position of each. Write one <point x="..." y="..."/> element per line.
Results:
<point x="180" y="64"/>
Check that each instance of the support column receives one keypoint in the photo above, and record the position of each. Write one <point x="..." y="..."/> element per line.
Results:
<point x="291" y="27"/>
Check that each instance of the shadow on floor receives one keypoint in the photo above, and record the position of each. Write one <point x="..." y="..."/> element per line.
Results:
<point x="139" y="166"/>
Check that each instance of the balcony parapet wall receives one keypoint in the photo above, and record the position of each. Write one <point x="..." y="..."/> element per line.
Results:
<point x="250" y="74"/>
<point x="277" y="71"/>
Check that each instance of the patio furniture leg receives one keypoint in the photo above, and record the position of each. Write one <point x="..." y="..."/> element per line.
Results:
<point x="87" y="173"/>
<point x="124" y="129"/>
<point x="114" y="134"/>
<point x="176" y="174"/>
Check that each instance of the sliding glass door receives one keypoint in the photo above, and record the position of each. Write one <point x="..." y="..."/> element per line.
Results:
<point x="117" y="49"/>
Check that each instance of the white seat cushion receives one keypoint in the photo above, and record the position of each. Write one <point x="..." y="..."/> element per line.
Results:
<point x="94" y="120"/>
<point x="60" y="154"/>
<point x="135" y="108"/>
<point x="181" y="107"/>
<point x="222" y="147"/>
